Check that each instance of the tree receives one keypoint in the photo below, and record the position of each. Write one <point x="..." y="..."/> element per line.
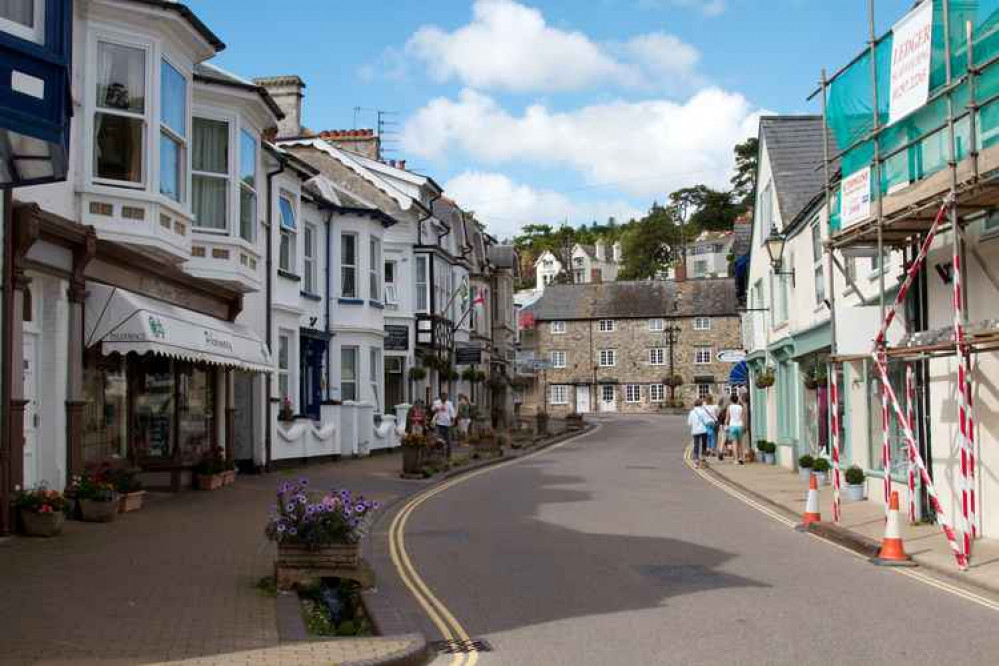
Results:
<point x="646" y="246"/>
<point x="744" y="181"/>
<point x="704" y="208"/>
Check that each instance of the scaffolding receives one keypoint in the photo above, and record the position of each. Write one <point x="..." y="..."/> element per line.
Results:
<point x="931" y="172"/>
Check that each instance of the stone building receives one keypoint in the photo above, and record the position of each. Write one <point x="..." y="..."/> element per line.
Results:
<point x="613" y="347"/>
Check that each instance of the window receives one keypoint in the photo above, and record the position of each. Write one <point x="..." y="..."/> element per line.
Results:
<point x="559" y="394"/>
<point x="579" y="276"/>
<point x="391" y="291"/>
<point x="656" y="325"/>
<point x="700" y="268"/>
<point x="656" y="393"/>
<point x="286" y="256"/>
<point x="377" y="373"/>
<point x="632" y="393"/>
<point x="375" y="268"/>
<point x="991" y="223"/>
<point x="703" y="390"/>
<point x="607" y="393"/>
<point x="120" y="120"/>
<point x="24" y="19"/>
<point x="348" y="373"/>
<point x="702" y="355"/>
<point x="767" y="221"/>
<point x="817" y="268"/>
<point x="558" y="327"/>
<point x="284" y="365"/>
<point x="657" y="357"/>
<point x="309" y="278"/>
<point x="558" y="359"/>
<point x="702" y="323"/>
<point x="247" y="186"/>
<point x="173" y="131"/>
<point x="606" y="325"/>
<point x="348" y="265"/>
<point x="608" y="358"/>
<point x="210" y="174"/>
<point x="422" y="285"/>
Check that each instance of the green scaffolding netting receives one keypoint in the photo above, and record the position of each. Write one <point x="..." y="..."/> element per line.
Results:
<point x="919" y="144"/>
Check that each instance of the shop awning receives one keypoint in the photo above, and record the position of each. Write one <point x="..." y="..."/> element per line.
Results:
<point x="122" y="321"/>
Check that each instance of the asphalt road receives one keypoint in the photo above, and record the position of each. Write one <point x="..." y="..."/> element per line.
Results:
<point x="610" y="550"/>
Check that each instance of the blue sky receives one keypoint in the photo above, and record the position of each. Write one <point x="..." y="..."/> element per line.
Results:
<point x="540" y="110"/>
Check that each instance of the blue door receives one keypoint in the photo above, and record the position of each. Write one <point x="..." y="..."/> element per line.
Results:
<point x="313" y="353"/>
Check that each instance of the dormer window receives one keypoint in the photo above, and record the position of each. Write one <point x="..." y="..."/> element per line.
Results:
<point x="24" y="19"/>
<point x="173" y="132"/>
<point x="122" y="115"/>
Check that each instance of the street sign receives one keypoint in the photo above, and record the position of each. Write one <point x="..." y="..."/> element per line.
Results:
<point x="731" y="356"/>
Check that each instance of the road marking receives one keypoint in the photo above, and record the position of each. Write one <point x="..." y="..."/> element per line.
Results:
<point x="435" y="609"/>
<point x="924" y="578"/>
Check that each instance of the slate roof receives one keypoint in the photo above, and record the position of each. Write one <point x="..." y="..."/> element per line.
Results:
<point x="795" y="148"/>
<point x="715" y="297"/>
<point x="209" y="73"/>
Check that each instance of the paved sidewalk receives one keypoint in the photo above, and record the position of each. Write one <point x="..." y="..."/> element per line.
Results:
<point x="864" y="521"/>
<point x="172" y="583"/>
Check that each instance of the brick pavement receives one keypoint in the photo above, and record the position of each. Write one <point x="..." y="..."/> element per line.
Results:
<point x="172" y="583"/>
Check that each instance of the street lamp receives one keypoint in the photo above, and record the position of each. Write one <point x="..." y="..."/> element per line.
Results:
<point x="775" y="244"/>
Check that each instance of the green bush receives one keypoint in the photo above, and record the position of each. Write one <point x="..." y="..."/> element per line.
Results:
<point x="806" y="461"/>
<point x="821" y="465"/>
<point x="854" y="475"/>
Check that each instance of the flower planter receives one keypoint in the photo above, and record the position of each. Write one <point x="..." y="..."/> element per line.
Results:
<point x="338" y="556"/>
<point x="853" y="493"/>
<point x="209" y="481"/>
<point x="412" y="459"/>
<point x="822" y="478"/>
<point x="803" y="473"/>
<point x="228" y="477"/>
<point x="770" y="458"/>
<point x="42" y="524"/>
<point x="97" y="511"/>
<point x="131" y="501"/>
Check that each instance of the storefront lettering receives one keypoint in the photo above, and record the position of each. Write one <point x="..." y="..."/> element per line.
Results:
<point x="157" y="328"/>
<point x="212" y="341"/>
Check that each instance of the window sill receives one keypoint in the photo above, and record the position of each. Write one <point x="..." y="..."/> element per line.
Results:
<point x="376" y="304"/>
<point x="289" y="276"/>
<point x="350" y="301"/>
<point x="309" y="296"/>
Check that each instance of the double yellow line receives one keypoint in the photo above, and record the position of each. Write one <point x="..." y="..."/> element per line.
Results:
<point x="435" y="609"/>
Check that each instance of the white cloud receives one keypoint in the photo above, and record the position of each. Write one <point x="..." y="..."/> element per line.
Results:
<point x="647" y="148"/>
<point x="509" y="46"/>
<point x="707" y="7"/>
<point x="506" y="206"/>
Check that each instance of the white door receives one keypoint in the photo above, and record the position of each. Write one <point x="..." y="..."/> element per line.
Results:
<point x="582" y="399"/>
<point x="607" y="398"/>
<point x="30" y="410"/>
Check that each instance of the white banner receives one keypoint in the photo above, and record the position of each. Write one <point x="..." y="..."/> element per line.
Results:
<point x="912" y="41"/>
<point x="855" y="198"/>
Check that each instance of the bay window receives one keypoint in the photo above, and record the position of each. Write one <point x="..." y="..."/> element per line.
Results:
<point x="422" y="284"/>
<point x="286" y="255"/>
<point x="210" y="174"/>
<point x="173" y="132"/>
<point x="247" y="186"/>
<point x="348" y="265"/>
<point x="309" y="259"/>
<point x="120" y="118"/>
<point x="374" y="269"/>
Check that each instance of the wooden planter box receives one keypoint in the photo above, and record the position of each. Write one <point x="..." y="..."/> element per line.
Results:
<point x="131" y="501"/>
<point x="412" y="459"/>
<point x="42" y="524"/>
<point x="208" y="481"/>
<point x="297" y="565"/>
<point x="94" y="511"/>
<point x="228" y="477"/>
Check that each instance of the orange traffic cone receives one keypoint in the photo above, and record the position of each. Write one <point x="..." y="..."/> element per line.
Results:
<point x="892" y="551"/>
<point x="811" y="514"/>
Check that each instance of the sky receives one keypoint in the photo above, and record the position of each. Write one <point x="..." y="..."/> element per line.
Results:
<point x="540" y="111"/>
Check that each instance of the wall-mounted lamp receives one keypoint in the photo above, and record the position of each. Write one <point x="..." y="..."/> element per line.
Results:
<point x="776" y="243"/>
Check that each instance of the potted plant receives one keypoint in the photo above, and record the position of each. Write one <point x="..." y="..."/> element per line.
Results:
<point x="287" y="413"/>
<point x="770" y="454"/>
<point x="821" y="469"/>
<point x="761" y="446"/>
<point x="414" y="447"/>
<point x="815" y="377"/>
<point x="210" y="471"/>
<point x="854" y="489"/>
<point x="805" y="463"/>
<point x="417" y="374"/>
<point x="96" y="496"/>
<point x="42" y="511"/>
<point x="317" y="532"/>
<point x="674" y="381"/>
<point x="765" y="378"/>
<point x="129" y="488"/>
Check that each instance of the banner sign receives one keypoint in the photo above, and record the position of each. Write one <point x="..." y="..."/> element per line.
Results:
<point x="855" y="199"/>
<point x="731" y="356"/>
<point x="912" y="41"/>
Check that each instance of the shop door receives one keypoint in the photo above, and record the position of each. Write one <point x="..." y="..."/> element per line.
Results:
<point x="395" y="382"/>
<point x="582" y="399"/>
<point x="243" y="401"/>
<point x="30" y="410"/>
<point x="313" y="353"/>
<point x="607" y="398"/>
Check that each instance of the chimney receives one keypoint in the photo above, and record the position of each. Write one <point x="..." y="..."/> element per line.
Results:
<point x="363" y="142"/>
<point x="287" y="93"/>
<point x="601" y="251"/>
<point x="616" y="249"/>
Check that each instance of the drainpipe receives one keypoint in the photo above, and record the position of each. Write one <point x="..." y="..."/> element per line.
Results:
<point x="268" y="439"/>
<point x="329" y="297"/>
<point x="5" y="376"/>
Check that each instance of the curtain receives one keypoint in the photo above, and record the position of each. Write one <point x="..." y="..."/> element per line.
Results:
<point x="211" y="146"/>
<point x="209" y="202"/>
<point x="18" y="11"/>
<point x="247" y="214"/>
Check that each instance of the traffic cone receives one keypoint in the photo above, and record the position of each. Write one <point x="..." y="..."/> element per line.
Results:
<point x="892" y="552"/>
<point x="812" y="514"/>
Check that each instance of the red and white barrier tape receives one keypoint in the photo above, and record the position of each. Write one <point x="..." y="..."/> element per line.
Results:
<point x="834" y="440"/>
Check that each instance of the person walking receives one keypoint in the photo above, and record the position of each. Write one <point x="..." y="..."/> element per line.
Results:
<point x="444" y="415"/>
<point x="735" y="419"/>
<point x="464" y="416"/>
<point x="711" y="408"/>
<point x="722" y="417"/>
<point x="697" y="420"/>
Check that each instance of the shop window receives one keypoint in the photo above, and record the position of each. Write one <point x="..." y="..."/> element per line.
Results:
<point x="154" y="405"/>
<point x="703" y="390"/>
<point x="247" y="186"/>
<point x="173" y="132"/>
<point x="348" y="373"/>
<point x="195" y="411"/>
<point x="120" y="119"/>
<point x="210" y="174"/>
<point x="104" y="430"/>
<point x="348" y="265"/>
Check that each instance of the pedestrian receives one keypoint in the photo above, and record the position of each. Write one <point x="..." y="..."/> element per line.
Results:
<point x="697" y="420"/>
<point x="444" y="415"/>
<point x="723" y="405"/>
<point x="464" y="415"/>
<point x="417" y="418"/>
<point x="711" y="408"/>
<point x="735" y="419"/>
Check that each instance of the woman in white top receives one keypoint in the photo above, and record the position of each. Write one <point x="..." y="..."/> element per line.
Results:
<point x="735" y="419"/>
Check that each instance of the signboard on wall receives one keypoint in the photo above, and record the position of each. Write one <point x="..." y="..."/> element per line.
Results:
<point x="855" y="199"/>
<point x="396" y="337"/>
<point x="468" y="355"/>
<point x="731" y="356"/>
<point x="912" y="41"/>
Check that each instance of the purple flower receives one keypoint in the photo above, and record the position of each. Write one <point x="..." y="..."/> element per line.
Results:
<point x="302" y="499"/>
<point x="291" y="506"/>
<point x="345" y="494"/>
<point x="292" y="531"/>
<point x="280" y="527"/>
<point x="360" y="508"/>
<point x="303" y="482"/>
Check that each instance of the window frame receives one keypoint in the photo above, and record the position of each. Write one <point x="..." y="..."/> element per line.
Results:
<point x="344" y="266"/>
<point x="422" y="288"/>
<point x="376" y="375"/>
<point x="607" y="358"/>
<point x="35" y="33"/>
<point x="284" y="365"/>
<point x="709" y="351"/>
<point x="606" y="325"/>
<point x="310" y="259"/>
<point x="657" y="353"/>
<point x="818" y="265"/>
<point x="253" y="191"/>
<point x="558" y="327"/>
<point x="172" y="134"/>
<point x="555" y="355"/>
<point x="355" y="351"/>
<point x="657" y="389"/>
<point x="375" y="267"/>
<point x="703" y="390"/>
<point x="391" y="290"/>
<point x="700" y="325"/>
<point x="558" y="389"/>
<point x="227" y="177"/>
<point x="637" y="388"/>
<point x="656" y="325"/>
<point x="288" y="236"/>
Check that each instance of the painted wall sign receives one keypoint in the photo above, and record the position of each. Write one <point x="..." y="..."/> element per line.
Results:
<point x="912" y="41"/>
<point x="731" y="356"/>
<point x="468" y="355"/>
<point x="855" y="202"/>
<point x="396" y="337"/>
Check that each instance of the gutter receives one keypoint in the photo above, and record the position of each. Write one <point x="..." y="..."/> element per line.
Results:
<point x="268" y="438"/>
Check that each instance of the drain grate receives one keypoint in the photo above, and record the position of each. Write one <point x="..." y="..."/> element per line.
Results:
<point x="455" y="646"/>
